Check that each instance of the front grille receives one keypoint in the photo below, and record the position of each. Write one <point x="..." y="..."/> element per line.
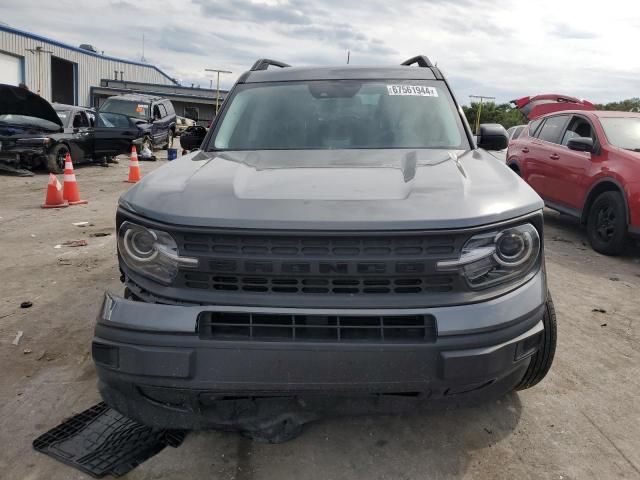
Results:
<point x="348" y="246"/>
<point x="316" y="328"/>
<point x="320" y="285"/>
<point x="324" y="264"/>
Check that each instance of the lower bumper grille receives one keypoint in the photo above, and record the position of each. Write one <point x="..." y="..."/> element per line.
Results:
<point x="320" y="285"/>
<point x="316" y="328"/>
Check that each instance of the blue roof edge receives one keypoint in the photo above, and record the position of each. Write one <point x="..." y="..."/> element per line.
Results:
<point x="6" y="28"/>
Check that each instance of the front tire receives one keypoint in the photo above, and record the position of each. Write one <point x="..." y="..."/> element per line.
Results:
<point x="146" y="142"/>
<point x="607" y="224"/>
<point x="541" y="361"/>
<point x="55" y="158"/>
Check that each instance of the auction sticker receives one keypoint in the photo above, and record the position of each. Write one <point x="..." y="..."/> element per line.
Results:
<point x="414" y="90"/>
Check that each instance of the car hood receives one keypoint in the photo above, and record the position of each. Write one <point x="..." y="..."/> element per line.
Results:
<point x="337" y="189"/>
<point x="20" y="101"/>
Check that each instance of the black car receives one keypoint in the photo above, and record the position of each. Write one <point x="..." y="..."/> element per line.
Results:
<point x="78" y="122"/>
<point x="34" y="133"/>
<point x="154" y="117"/>
<point x="192" y="137"/>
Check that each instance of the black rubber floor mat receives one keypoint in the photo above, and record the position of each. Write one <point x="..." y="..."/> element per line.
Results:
<point x="101" y="441"/>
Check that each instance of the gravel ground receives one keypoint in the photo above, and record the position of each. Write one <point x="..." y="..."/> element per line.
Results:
<point x="582" y="422"/>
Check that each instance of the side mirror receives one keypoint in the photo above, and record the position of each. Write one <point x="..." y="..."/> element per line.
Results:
<point x="492" y="136"/>
<point x="581" y="144"/>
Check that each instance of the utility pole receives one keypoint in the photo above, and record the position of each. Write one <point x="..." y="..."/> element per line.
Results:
<point x="142" y="59"/>
<point x="217" y="84"/>
<point x="481" y="98"/>
<point x="39" y="51"/>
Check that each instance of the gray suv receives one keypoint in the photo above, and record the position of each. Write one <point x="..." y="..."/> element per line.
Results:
<point x="338" y="244"/>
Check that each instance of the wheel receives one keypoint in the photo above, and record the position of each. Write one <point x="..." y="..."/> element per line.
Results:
<point x="55" y="158"/>
<point x="607" y="224"/>
<point x="146" y="143"/>
<point x="169" y="140"/>
<point x="543" y="358"/>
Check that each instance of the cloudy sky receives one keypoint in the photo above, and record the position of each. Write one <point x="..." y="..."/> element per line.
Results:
<point x="497" y="48"/>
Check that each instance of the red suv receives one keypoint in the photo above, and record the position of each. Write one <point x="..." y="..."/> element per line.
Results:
<point x="586" y="164"/>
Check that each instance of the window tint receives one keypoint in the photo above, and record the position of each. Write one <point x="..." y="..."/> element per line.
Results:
<point x="517" y="132"/>
<point x="552" y="128"/>
<point x="63" y="115"/>
<point x="623" y="132"/>
<point x="169" y="107"/>
<point x="533" y="126"/>
<point x="578" y="127"/>
<point x="80" y="120"/>
<point x="163" y="111"/>
<point x="340" y="114"/>
<point x="126" y="107"/>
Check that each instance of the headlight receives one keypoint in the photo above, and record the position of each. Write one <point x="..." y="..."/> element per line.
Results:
<point x="36" y="141"/>
<point x="491" y="258"/>
<point x="152" y="253"/>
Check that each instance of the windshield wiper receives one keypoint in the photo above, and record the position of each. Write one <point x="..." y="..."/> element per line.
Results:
<point x="633" y="149"/>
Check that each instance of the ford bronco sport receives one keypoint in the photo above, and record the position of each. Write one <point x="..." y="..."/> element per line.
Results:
<point x="339" y="235"/>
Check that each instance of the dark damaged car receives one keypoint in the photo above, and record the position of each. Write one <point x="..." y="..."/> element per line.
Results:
<point x="339" y="243"/>
<point x="35" y="134"/>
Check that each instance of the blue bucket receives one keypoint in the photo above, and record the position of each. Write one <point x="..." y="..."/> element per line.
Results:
<point x="172" y="153"/>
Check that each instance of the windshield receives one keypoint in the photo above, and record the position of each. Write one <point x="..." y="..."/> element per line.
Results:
<point x="340" y="114"/>
<point x="128" y="108"/>
<point x="623" y="132"/>
<point x="25" y="121"/>
<point x="64" y="115"/>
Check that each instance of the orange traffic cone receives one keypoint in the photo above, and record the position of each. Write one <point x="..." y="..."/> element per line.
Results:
<point x="54" y="198"/>
<point x="134" y="167"/>
<point x="71" y="192"/>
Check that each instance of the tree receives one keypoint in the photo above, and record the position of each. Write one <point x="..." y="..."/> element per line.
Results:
<point x="629" y="105"/>
<point x="508" y="116"/>
<point x="503" y="113"/>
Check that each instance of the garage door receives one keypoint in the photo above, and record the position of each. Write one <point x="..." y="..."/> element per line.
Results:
<point x="10" y="69"/>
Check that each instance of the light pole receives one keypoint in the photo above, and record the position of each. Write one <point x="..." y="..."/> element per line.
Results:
<point x="481" y="98"/>
<point x="217" y="84"/>
<point x="39" y="51"/>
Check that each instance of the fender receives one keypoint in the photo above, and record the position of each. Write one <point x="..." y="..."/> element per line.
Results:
<point x="599" y="181"/>
<point x="514" y="162"/>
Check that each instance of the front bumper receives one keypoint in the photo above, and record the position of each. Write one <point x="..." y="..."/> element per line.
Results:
<point x="153" y="365"/>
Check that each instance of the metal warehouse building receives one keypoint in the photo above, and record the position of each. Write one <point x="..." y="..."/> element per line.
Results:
<point x="63" y="73"/>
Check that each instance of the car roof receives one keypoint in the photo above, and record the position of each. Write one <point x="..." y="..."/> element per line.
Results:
<point x="342" y="72"/>
<point x="137" y="97"/>
<point x="64" y="106"/>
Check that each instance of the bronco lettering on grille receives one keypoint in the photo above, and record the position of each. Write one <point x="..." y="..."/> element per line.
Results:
<point x="327" y="268"/>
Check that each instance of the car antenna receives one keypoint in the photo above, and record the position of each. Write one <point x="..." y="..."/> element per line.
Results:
<point x="348" y="56"/>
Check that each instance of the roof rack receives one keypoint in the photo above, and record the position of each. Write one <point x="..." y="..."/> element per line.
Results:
<point x="264" y="63"/>
<point x="421" y="60"/>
